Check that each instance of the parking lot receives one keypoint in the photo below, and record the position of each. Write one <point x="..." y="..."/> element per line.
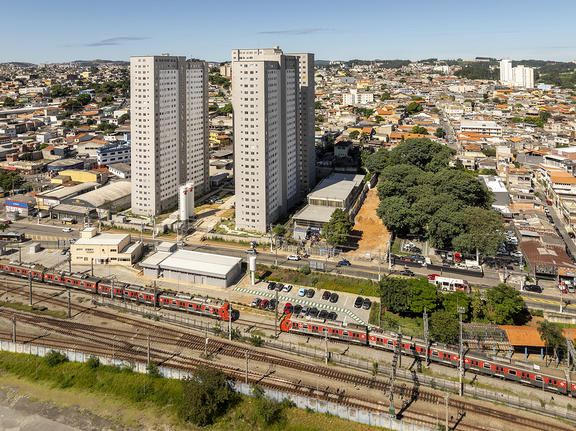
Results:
<point x="343" y="308"/>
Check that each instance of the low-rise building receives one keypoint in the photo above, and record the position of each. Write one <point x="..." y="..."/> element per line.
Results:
<point x="104" y="248"/>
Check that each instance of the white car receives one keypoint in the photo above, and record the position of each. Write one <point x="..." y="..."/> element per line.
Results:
<point x="293" y="257"/>
<point x="67" y="229"/>
<point x="287" y="288"/>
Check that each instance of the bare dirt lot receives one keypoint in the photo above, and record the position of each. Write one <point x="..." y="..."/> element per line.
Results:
<point x="369" y="226"/>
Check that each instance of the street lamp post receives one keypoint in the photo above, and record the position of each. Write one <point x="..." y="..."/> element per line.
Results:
<point x="461" y="310"/>
<point x="113" y="347"/>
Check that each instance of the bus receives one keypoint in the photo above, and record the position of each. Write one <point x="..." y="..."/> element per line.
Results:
<point x="451" y="284"/>
<point x="12" y="236"/>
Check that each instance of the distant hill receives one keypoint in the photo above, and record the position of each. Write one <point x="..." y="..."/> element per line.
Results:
<point x="89" y="63"/>
<point x="17" y="64"/>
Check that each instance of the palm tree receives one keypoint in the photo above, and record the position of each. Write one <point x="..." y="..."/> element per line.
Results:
<point x="550" y="334"/>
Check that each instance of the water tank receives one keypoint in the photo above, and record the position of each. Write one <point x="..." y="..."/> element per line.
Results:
<point x="252" y="263"/>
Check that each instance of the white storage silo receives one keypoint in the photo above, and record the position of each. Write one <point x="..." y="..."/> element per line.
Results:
<point x="183" y="203"/>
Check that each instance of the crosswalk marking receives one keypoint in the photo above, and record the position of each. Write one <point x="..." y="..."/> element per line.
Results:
<point x="303" y="302"/>
<point x="546" y="301"/>
<point x="46" y="238"/>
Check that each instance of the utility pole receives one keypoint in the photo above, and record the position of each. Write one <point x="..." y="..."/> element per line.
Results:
<point x="395" y="358"/>
<point x="461" y="310"/>
<point x="426" y="335"/>
<point x="326" y="344"/>
<point x="379" y="259"/>
<point x="92" y="263"/>
<point x="447" y="401"/>
<point x="148" y="348"/>
<point x="246" y="366"/>
<point x="70" y="262"/>
<point x="230" y="313"/>
<point x="30" y="285"/>
<point x="112" y="290"/>
<point x="276" y="316"/>
<point x="206" y="343"/>
<point x="14" y="328"/>
<point x="69" y="306"/>
<point x="271" y="238"/>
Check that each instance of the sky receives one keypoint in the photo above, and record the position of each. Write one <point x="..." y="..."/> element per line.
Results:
<point x="62" y="30"/>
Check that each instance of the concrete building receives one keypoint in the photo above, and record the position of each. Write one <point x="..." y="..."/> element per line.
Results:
<point x="194" y="267"/>
<point x="355" y="97"/>
<point x="169" y="103"/>
<point x="519" y="76"/>
<point x="483" y="127"/>
<point x="104" y="248"/>
<point x="114" y="153"/>
<point x="274" y="162"/>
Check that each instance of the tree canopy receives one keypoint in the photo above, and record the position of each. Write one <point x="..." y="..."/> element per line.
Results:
<point x="414" y="108"/>
<point x="205" y="395"/>
<point x="8" y="102"/>
<point x="338" y="228"/>
<point x="503" y="303"/>
<point x="444" y="327"/>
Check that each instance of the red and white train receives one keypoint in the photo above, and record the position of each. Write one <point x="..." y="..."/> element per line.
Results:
<point x="120" y="290"/>
<point x="497" y="366"/>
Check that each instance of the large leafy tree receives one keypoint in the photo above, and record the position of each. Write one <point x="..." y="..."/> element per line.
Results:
<point x="551" y="335"/>
<point x="453" y="300"/>
<point x="503" y="303"/>
<point x="464" y="186"/>
<point x="394" y="294"/>
<point x="423" y="153"/>
<point x="445" y="224"/>
<point x="378" y="161"/>
<point x="205" y="396"/>
<point x="396" y="180"/>
<point x="396" y="214"/>
<point x="444" y="327"/>
<point x="338" y="228"/>
<point x="483" y="231"/>
<point x="413" y="108"/>
<point x="423" y="294"/>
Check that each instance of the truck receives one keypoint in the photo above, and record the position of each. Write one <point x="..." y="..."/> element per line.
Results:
<point x="451" y="284"/>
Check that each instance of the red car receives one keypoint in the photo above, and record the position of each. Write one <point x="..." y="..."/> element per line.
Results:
<point x="288" y="308"/>
<point x="562" y="288"/>
<point x="433" y="276"/>
<point x="264" y="303"/>
<point x="549" y="202"/>
<point x="457" y="257"/>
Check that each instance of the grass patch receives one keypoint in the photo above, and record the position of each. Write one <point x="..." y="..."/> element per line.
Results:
<point x="396" y="248"/>
<point x="338" y="283"/>
<point x="138" y="400"/>
<point x="228" y="241"/>
<point x="21" y="307"/>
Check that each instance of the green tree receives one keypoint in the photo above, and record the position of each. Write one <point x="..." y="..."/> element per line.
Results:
<point x="354" y="134"/>
<point x="378" y="161"/>
<point x="319" y="119"/>
<point x="396" y="214"/>
<point x="9" y="102"/>
<point x="317" y="104"/>
<point x="439" y="132"/>
<point x="516" y="120"/>
<point x="471" y="102"/>
<point x="477" y="304"/>
<point x="385" y="96"/>
<point x="423" y="294"/>
<point x="266" y="410"/>
<point x="84" y="99"/>
<point x="445" y="224"/>
<point x="544" y="116"/>
<point x="453" y="300"/>
<point x="420" y="130"/>
<point x="338" y="228"/>
<point x="444" y="327"/>
<point x="279" y="230"/>
<point x="483" y="231"/>
<point x="394" y="294"/>
<point x="227" y="109"/>
<point x="503" y="303"/>
<point x="423" y="153"/>
<point x="414" y="108"/>
<point x="496" y="100"/>
<point x="550" y="334"/>
<point x="205" y="396"/>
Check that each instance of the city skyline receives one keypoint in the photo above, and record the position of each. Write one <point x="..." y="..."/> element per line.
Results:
<point x="451" y="30"/>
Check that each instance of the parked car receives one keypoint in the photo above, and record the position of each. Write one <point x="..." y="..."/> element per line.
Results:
<point x="344" y="262"/>
<point x="313" y="312"/>
<point x="407" y="273"/>
<point x="279" y="287"/>
<point x="310" y="293"/>
<point x="334" y="298"/>
<point x="571" y="235"/>
<point x="548" y="202"/>
<point x="287" y="308"/>
<point x="65" y="251"/>
<point x="67" y="229"/>
<point x="256" y="302"/>
<point x="264" y="303"/>
<point x="302" y="291"/>
<point x="305" y="310"/>
<point x="325" y="295"/>
<point x="271" y="305"/>
<point x="323" y="314"/>
<point x="533" y="288"/>
<point x="359" y="301"/>
<point x="297" y="309"/>
<point x="332" y="316"/>
<point x="293" y="257"/>
<point x="562" y="288"/>
<point x="271" y="285"/>
<point x="287" y="288"/>
<point x="367" y="304"/>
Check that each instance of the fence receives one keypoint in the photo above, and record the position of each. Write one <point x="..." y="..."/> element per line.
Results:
<point x="345" y="412"/>
<point x="422" y="379"/>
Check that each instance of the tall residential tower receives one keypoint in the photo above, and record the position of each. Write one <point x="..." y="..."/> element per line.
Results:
<point x="274" y="159"/>
<point x="169" y="104"/>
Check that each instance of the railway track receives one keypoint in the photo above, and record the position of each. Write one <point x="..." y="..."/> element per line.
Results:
<point x="128" y="347"/>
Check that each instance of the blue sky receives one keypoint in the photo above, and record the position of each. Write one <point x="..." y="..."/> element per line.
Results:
<point x="62" y="30"/>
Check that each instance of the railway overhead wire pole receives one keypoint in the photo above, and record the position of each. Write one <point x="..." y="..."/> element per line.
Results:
<point x="461" y="310"/>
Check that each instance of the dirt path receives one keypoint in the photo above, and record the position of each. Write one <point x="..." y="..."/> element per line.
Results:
<point x="374" y="234"/>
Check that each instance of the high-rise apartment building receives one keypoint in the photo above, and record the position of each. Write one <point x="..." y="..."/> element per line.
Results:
<point x="518" y="76"/>
<point x="169" y="104"/>
<point x="274" y="158"/>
